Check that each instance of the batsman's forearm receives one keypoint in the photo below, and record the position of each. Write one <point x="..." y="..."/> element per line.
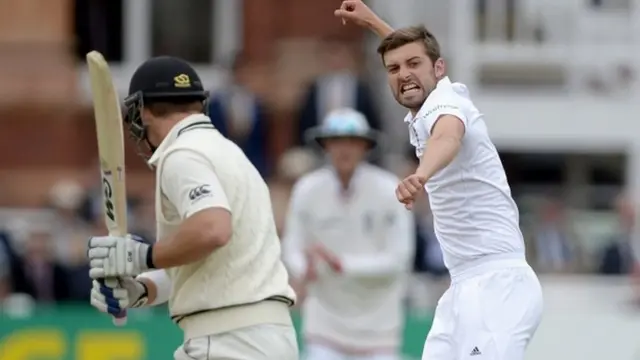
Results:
<point x="439" y="153"/>
<point x="198" y="236"/>
<point x="180" y="250"/>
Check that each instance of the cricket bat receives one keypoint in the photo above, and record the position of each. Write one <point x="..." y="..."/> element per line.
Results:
<point x="106" y="107"/>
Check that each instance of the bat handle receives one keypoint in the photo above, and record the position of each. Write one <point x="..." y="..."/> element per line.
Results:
<point x="121" y="318"/>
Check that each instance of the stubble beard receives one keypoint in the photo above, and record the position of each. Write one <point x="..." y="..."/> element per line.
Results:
<point x="412" y="105"/>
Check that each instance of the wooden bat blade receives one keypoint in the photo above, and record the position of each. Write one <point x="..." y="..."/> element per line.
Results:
<point x="108" y="118"/>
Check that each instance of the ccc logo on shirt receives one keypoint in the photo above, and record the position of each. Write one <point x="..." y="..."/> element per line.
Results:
<point x="198" y="192"/>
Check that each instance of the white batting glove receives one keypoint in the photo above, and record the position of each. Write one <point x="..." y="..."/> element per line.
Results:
<point x="127" y="293"/>
<point x="114" y="256"/>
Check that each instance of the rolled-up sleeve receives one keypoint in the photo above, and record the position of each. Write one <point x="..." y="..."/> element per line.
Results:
<point x="189" y="182"/>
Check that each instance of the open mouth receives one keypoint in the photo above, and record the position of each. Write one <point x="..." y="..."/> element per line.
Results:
<point x="410" y="88"/>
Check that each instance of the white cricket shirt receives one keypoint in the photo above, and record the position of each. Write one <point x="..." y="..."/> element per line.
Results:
<point x="198" y="168"/>
<point x="374" y="237"/>
<point x="474" y="214"/>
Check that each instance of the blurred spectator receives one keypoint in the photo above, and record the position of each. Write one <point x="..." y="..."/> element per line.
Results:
<point x="144" y="217"/>
<point x="241" y="116"/>
<point x="37" y="273"/>
<point x="617" y="256"/>
<point x="339" y="87"/>
<point x="431" y="278"/>
<point x="91" y="204"/>
<point x="5" y="271"/>
<point x="294" y="164"/>
<point x="76" y="267"/>
<point x="553" y="242"/>
<point x="65" y="199"/>
<point x="90" y="208"/>
<point x="429" y="257"/>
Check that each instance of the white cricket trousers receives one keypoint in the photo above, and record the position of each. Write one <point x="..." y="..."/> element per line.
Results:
<point x="258" y="342"/>
<point x="490" y="312"/>
<point x="322" y="352"/>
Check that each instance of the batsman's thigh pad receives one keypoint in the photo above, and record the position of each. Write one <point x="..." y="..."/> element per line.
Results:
<point x="490" y="316"/>
<point x="258" y="342"/>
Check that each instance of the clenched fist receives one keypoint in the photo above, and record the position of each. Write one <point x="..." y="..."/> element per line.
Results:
<point x="409" y="189"/>
<point x="357" y="12"/>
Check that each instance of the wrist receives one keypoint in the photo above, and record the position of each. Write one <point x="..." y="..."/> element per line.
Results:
<point x="143" y="288"/>
<point x="142" y="294"/>
<point x="422" y="173"/>
<point x="149" y="258"/>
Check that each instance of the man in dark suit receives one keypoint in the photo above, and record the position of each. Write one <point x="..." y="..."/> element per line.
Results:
<point x="6" y="258"/>
<point x="241" y="116"/>
<point x="617" y="257"/>
<point x="339" y="87"/>
<point x="37" y="274"/>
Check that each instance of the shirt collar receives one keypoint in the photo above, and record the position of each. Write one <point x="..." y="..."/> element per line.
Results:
<point x="357" y="173"/>
<point x="173" y="134"/>
<point x="442" y="83"/>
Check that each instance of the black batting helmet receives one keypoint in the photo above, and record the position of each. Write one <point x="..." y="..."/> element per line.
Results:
<point x="160" y="79"/>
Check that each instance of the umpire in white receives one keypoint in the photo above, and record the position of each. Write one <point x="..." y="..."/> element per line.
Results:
<point x="217" y="255"/>
<point x="350" y="244"/>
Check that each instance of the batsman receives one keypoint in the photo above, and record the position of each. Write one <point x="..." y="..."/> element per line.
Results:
<point x="217" y="255"/>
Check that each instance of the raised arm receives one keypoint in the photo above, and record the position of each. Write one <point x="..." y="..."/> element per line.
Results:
<point x="359" y="13"/>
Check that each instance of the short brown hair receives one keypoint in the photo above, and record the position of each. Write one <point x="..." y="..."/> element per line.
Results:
<point x="161" y="109"/>
<point x="408" y="35"/>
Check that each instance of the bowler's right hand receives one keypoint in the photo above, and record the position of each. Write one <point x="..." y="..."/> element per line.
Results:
<point x="128" y="293"/>
<point x="357" y="12"/>
<point x="410" y="188"/>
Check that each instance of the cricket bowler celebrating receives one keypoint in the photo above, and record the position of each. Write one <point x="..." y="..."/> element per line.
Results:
<point x="494" y="304"/>
<point x="351" y="243"/>
<point x="217" y="256"/>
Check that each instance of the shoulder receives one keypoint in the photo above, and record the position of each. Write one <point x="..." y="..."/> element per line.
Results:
<point x="180" y="156"/>
<point x="206" y="142"/>
<point x="310" y="182"/>
<point x="439" y="100"/>
<point x="177" y="161"/>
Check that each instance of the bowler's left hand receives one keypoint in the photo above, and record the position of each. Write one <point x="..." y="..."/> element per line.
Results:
<point x="115" y="256"/>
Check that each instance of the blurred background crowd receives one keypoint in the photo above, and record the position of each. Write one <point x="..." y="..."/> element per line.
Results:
<point x="557" y="80"/>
